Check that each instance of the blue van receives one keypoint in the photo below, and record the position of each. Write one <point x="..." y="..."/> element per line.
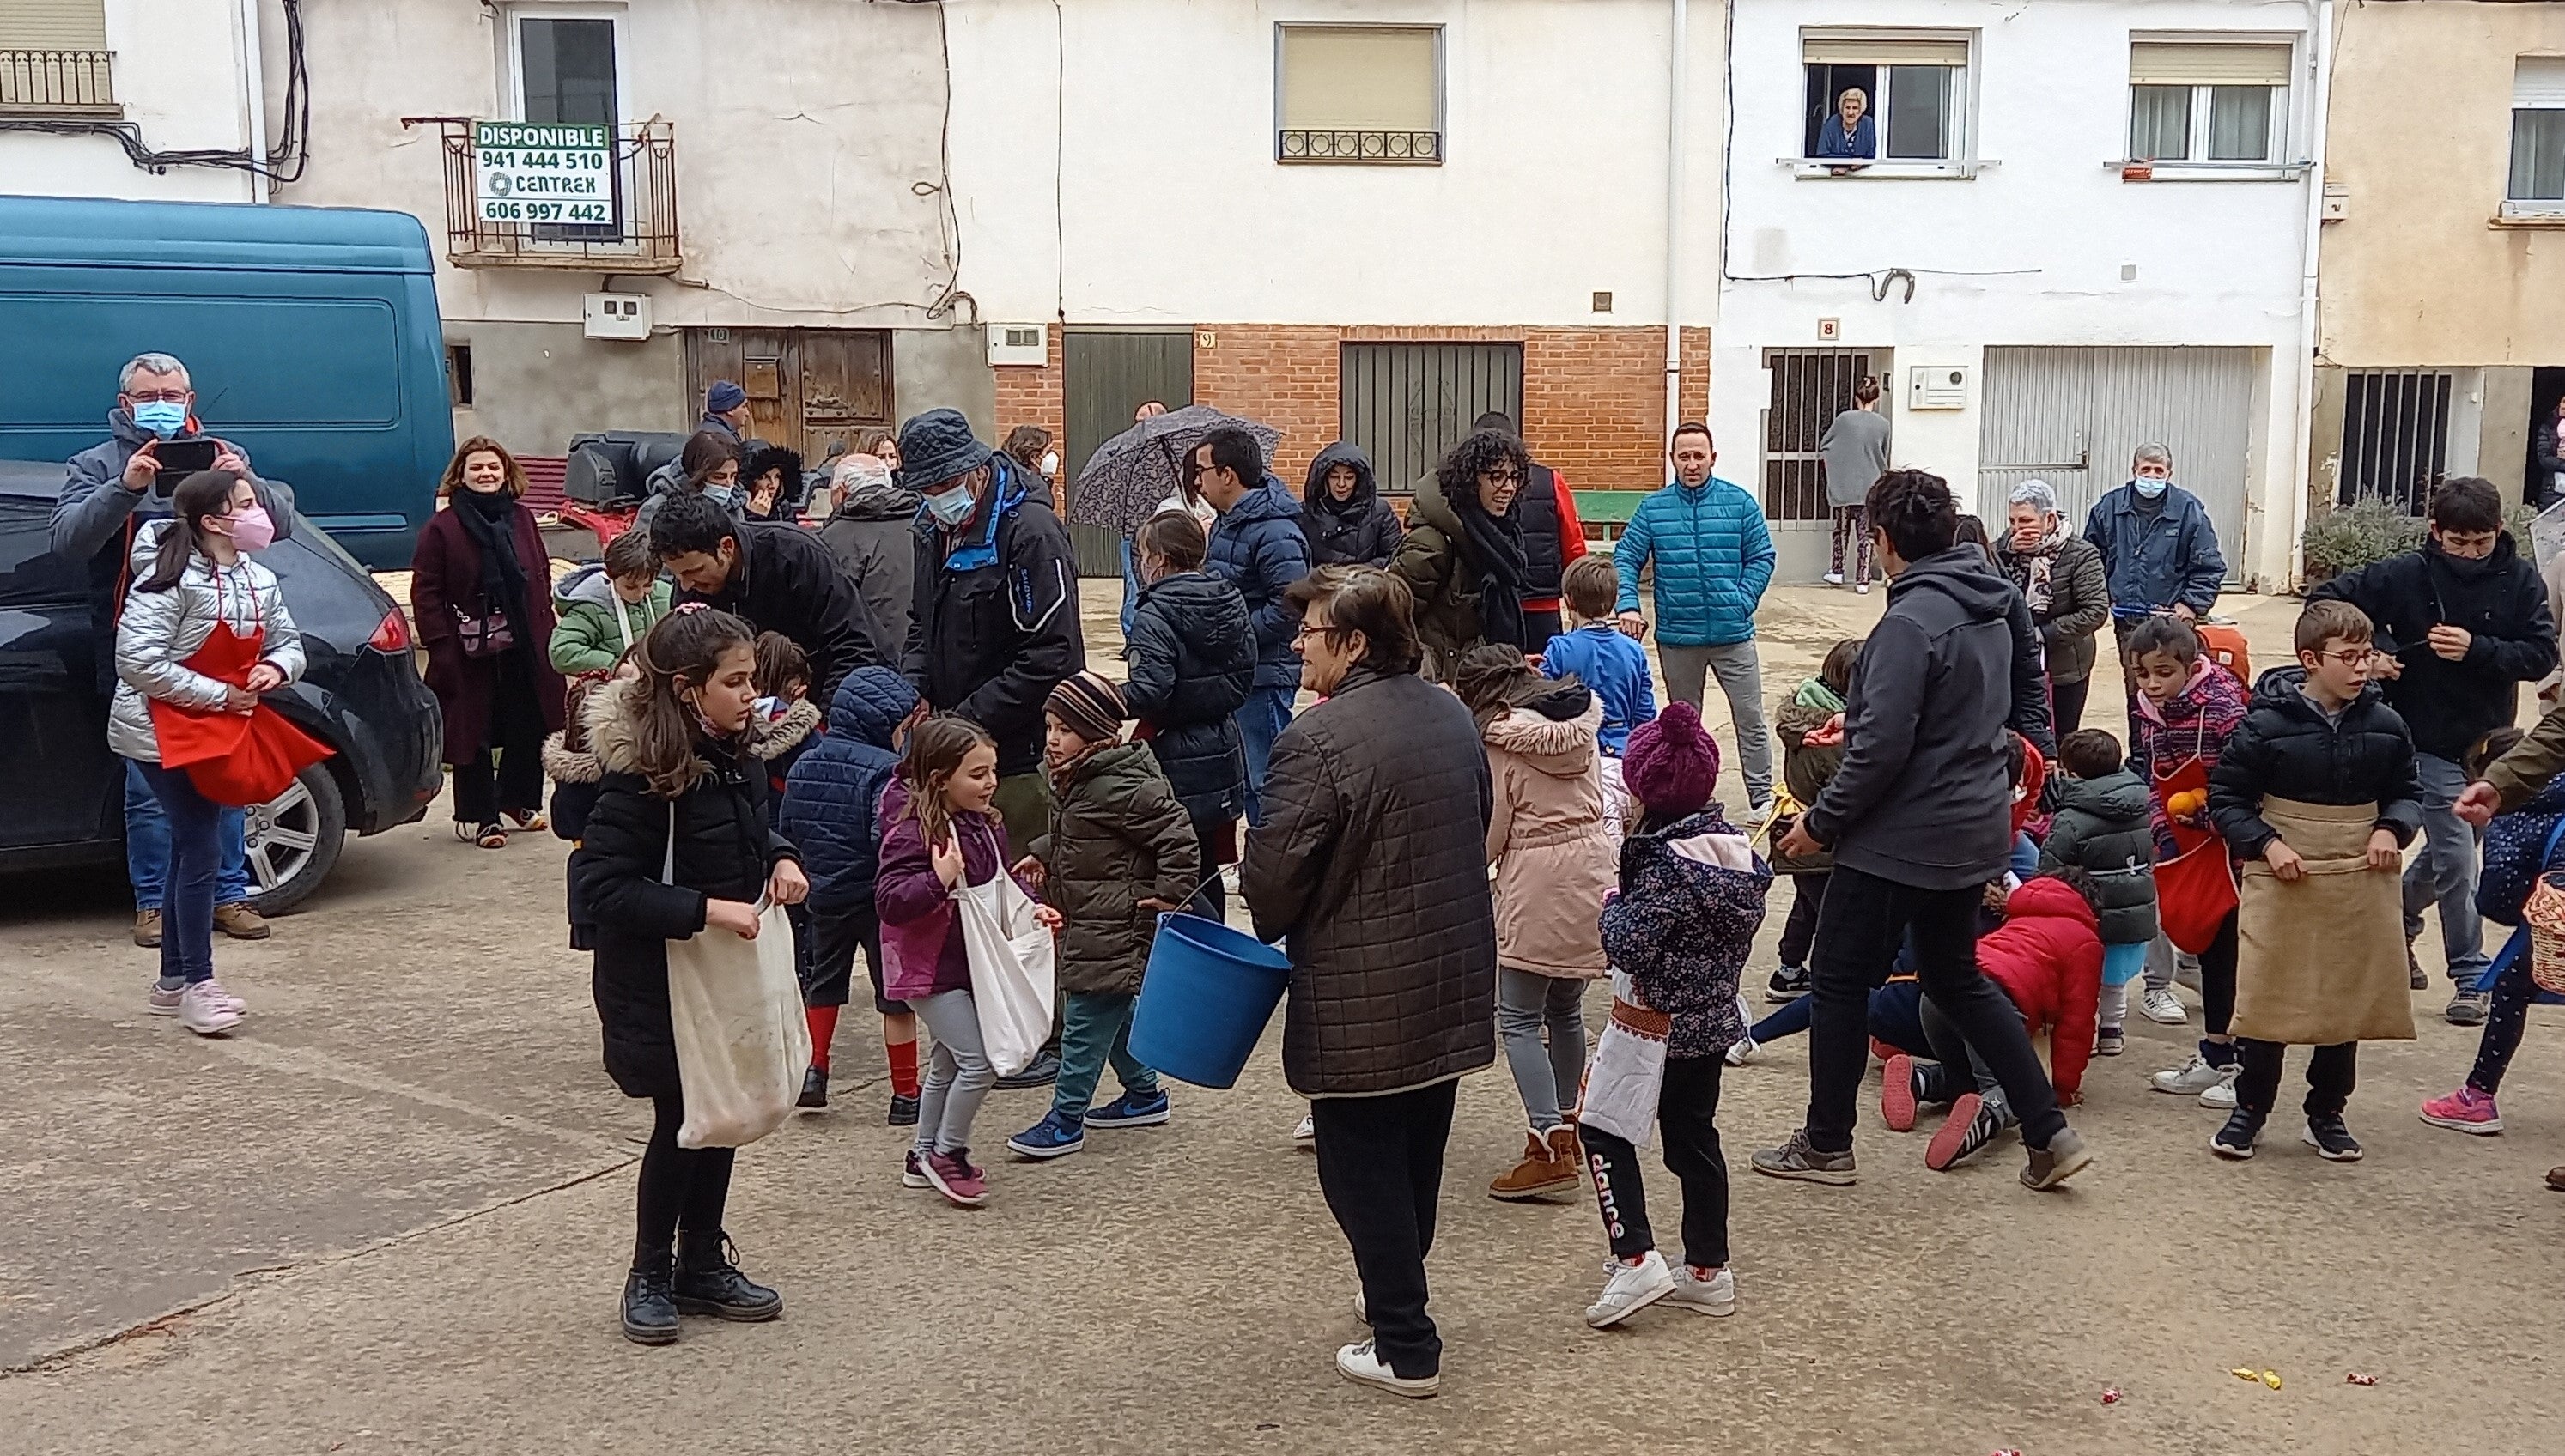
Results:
<point x="310" y="334"/>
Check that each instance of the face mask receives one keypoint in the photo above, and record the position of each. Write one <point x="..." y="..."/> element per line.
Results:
<point x="2149" y="488"/>
<point x="162" y="417"/>
<point x="253" y="529"/>
<point x="726" y="496"/>
<point x="951" y="508"/>
<point x="1051" y="464"/>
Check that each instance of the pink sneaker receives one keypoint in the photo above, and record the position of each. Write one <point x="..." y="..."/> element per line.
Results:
<point x="2463" y="1111"/>
<point x="165" y="1002"/>
<point x="955" y="1177"/>
<point x="200" y="1010"/>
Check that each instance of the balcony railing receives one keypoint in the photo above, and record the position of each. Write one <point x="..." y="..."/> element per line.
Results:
<point x="1391" y="149"/>
<point x="56" y="83"/>
<point x="637" y="232"/>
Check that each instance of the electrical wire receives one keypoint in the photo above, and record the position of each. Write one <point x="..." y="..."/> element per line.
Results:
<point x="283" y="163"/>
<point x="948" y="217"/>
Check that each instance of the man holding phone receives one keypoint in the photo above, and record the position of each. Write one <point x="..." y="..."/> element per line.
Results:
<point x="109" y="491"/>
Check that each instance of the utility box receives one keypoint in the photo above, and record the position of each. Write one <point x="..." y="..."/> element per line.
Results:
<point x="1019" y="344"/>
<point x="1936" y="386"/>
<point x="616" y="315"/>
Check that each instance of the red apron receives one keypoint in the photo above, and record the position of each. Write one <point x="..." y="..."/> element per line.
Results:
<point x="2196" y="888"/>
<point x="234" y="758"/>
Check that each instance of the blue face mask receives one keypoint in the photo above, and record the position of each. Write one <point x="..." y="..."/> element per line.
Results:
<point x="951" y="508"/>
<point x="2149" y="488"/>
<point x="726" y="496"/>
<point x="162" y="417"/>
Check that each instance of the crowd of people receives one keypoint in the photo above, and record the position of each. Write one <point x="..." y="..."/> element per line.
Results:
<point x="1490" y="806"/>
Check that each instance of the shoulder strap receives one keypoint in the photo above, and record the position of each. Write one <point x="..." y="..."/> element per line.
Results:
<point x="2554" y="837"/>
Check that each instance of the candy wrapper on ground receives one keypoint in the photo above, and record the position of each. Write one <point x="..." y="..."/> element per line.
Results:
<point x="2357" y="1379"/>
<point x="2110" y="1396"/>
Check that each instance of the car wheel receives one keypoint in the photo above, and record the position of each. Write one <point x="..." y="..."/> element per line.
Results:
<point x="293" y="840"/>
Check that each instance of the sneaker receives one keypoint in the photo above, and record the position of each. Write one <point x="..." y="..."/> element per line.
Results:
<point x="239" y="922"/>
<point x="1788" y="983"/>
<point x="1132" y="1110"/>
<point x="147" y="929"/>
<point x="2221" y="1098"/>
<point x="1743" y="1050"/>
<point x="1797" y="1160"/>
<point x="1632" y="1288"/>
<point x="815" y="1090"/>
<point x="1363" y="1365"/>
<point x="709" y="1282"/>
<point x="165" y="1003"/>
<point x="903" y="1109"/>
<point x="2415" y="975"/>
<point x="2162" y="1006"/>
<point x="2331" y="1140"/>
<point x="2110" y="1041"/>
<point x="1716" y="1295"/>
<point x="1971" y="1125"/>
<point x="203" y="1010"/>
<point x="2237" y="1140"/>
<point x="1540" y="1174"/>
<point x="1043" y="1073"/>
<point x="951" y="1175"/>
<point x="912" y="1175"/>
<point x="2468" y="1007"/>
<point x="1862" y="590"/>
<point x="1834" y="579"/>
<point x="2192" y="1078"/>
<point x="1053" y="1137"/>
<point x="1898" y="1094"/>
<point x="2063" y="1157"/>
<point x="2463" y="1111"/>
<point x="1307" y="1130"/>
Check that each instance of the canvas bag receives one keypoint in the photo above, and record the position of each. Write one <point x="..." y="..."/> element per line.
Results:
<point x="1010" y="970"/>
<point x="2322" y="960"/>
<point x="1628" y="1073"/>
<point x="742" y="1040"/>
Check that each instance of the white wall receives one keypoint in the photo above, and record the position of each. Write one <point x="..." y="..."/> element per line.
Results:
<point x="178" y="73"/>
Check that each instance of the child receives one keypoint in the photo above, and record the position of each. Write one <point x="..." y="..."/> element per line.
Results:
<point x="1554" y="863"/>
<point x="1809" y="726"/>
<point x="2187" y="707"/>
<point x="677" y="845"/>
<point x="1607" y="660"/>
<point x="2321" y="772"/>
<point x="1120" y="851"/>
<point x="829" y="813"/>
<point x="1192" y="660"/>
<point x="2516" y="854"/>
<point x="2102" y="826"/>
<point x="787" y="720"/>
<point x="569" y="763"/>
<point x="938" y="834"/>
<point x="600" y="611"/>
<point x="1690" y="900"/>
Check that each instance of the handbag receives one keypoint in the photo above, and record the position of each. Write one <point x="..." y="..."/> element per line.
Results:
<point x="735" y="1006"/>
<point x="1627" y="1076"/>
<point x="1011" y="969"/>
<point x="487" y="635"/>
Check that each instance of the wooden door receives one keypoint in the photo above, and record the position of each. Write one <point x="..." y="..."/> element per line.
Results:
<point x="1106" y="374"/>
<point x="808" y="388"/>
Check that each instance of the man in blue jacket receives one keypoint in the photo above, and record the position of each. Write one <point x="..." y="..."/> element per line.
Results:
<point x="1257" y="547"/>
<point x="1713" y="559"/>
<point x="2158" y="553"/>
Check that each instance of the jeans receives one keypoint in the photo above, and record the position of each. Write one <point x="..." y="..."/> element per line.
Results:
<point x="1380" y="1166"/>
<point x="1095" y="1028"/>
<point x="1799" y="932"/>
<point x="2332" y="1072"/>
<point x="1857" y="936"/>
<point x="1688" y="1113"/>
<point x="1261" y="720"/>
<point x="958" y="1073"/>
<point x="680" y="1187"/>
<point x="1852" y="527"/>
<point x="2505" y="1021"/>
<point x="1130" y="588"/>
<point x="146" y="845"/>
<point x="1741" y="678"/>
<point x="194" y="828"/>
<point x="1955" y="1057"/>
<point x="2445" y="871"/>
<point x="1896" y="1018"/>
<point x="1527" y="1001"/>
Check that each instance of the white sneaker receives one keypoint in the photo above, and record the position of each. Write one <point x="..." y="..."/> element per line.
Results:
<point x="1632" y="1288"/>
<point x="1862" y="590"/>
<point x="1362" y="1310"/>
<point x="204" y="1010"/>
<point x="1743" y="1052"/>
<point x="2190" y="1079"/>
<point x="2162" y="1006"/>
<point x="2222" y="1097"/>
<point x="1358" y="1362"/>
<point x="1308" y="1131"/>
<point x="1834" y="579"/>
<point x="1716" y="1295"/>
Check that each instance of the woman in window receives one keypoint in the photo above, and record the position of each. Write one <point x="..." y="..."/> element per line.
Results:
<point x="1851" y="133"/>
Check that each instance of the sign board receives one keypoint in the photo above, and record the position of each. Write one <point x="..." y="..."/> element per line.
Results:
<point x="543" y="172"/>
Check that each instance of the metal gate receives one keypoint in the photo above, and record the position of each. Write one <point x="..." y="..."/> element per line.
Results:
<point x="1809" y="388"/>
<point x="1406" y="404"/>
<point x="1106" y="374"/>
<point x="2073" y="416"/>
<point x="2395" y="437"/>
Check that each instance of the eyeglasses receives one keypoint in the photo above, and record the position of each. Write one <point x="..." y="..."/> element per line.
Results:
<point x="2351" y="657"/>
<point x="1502" y="477"/>
<point x="160" y="396"/>
<point x="1305" y="632"/>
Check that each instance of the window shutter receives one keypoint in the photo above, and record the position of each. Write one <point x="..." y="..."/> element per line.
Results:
<point x="52" y="25"/>
<point x="1369" y="79"/>
<point x="1885" y="50"/>
<point x="2158" y="63"/>
<point x="2539" y="83"/>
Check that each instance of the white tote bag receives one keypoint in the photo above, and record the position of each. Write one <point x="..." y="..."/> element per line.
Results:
<point x="743" y="1042"/>
<point x="1010" y="970"/>
<point x="1628" y="1073"/>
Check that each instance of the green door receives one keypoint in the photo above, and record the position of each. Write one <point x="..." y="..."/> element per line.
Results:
<point x="1106" y="374"/>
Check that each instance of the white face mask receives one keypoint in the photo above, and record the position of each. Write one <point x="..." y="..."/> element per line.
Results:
<point x="1051" y="464"/>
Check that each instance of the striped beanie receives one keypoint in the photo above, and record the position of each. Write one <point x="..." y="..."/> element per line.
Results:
<point x="1091" y="705"/>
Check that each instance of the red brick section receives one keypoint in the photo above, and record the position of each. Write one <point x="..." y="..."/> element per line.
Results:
<point x="1031" y="396"/>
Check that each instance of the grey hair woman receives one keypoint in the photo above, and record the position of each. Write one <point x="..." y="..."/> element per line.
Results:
<point x="2061" y="575"/>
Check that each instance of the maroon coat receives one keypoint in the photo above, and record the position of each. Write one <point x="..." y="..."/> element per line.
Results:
<point x="445" y="573"/>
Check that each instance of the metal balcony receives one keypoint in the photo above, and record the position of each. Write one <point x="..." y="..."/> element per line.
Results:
<point x="641" y="237"/>
<point x="56" y="83"/>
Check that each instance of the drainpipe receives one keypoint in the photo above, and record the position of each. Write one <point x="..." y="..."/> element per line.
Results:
<point x="253" y="96"/>
<point x="1675" y="120"/>
<point x="2302" y="470"/>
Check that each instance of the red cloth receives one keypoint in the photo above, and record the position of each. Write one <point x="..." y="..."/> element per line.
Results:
<point x="235" y="759"/>
<point x="2048" y="956"/>
<point x="1571" y="540"/>
<point x="2025" y="794"/>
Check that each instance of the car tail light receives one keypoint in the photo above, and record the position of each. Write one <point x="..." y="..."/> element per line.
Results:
<point x="392" y="635"/>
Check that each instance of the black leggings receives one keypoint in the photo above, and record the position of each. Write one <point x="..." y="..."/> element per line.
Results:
<point x="680" y="1186"/>
<point x="1688" y="1113"/>
<point x="1799" y="932"/>
<point x="2218" y="978"/>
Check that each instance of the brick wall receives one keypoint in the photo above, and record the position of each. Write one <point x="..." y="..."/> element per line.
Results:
<point x="1031" y="396"/>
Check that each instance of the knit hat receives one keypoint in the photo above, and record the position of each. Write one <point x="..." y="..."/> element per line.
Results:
<point x="1091" y="705"/>
<point x="937" y="446"/>
<point x="723" y="397"/>
<point x="1670" y="765"/>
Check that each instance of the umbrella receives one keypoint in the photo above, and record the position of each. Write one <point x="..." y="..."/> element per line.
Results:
<point x="1129" y="475"/>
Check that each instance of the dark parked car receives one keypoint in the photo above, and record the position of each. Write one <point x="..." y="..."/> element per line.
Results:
<point x="62" y="793"/>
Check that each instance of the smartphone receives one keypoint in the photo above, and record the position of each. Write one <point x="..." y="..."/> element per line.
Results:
<point x="182" y="458"/>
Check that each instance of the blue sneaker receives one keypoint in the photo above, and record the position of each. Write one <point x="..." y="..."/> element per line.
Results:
<point x="1053" y="1137"/>
<point x="1131" y="1110"/>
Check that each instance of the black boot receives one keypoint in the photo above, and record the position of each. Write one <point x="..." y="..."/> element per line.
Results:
<point x="815" y="1088"/>
<point x="649" y="1308"/>
<point x="708" y="1283"/>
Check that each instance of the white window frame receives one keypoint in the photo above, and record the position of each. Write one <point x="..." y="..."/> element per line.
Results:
<point x="1441" y="90"/>
<point x="1961" y="120"/>
<point x="512" y="52"/>
<point x="2279" y="165"/>
<point x="2541" y="210"/>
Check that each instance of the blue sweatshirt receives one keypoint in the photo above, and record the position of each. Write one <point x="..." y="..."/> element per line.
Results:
<point x="1603" y="657"/>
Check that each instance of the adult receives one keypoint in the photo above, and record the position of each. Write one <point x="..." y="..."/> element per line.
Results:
<point x="1030" y="447"/>
<point x="1553" y="538"/>
<point x="2060" y="577"/>
<point x="1919" y="820"/>
<point x="2460" y="625"/>
<point x="1255" y="547"/>
<point x="708" y="465"/>
<point x="873" y="534"/>
<point x="770" y="484"/>
<point x="1713" y="559"/>
<point x="110" y="491"/>
<point x="1343" y="515"/>
<point x="776" y="577"/>
<point x="2158" y="553"/>
<point x="995" y="623"/>
<point x="1849" y="133"/>
<point x="2547" y="440"/>
<point x="1370" y="868"/>
<point x="725" y="412"/>
<point x="881" y="445"/>
<point x="480" y="591"/>
<point x="1464" y="558"/>
<point x="1855" y="447"/>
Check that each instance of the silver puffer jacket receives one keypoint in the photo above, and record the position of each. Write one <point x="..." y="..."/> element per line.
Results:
<point x="161" y="630"/>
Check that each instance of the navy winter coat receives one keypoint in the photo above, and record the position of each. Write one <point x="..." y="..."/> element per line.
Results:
<point x="1191" y="662"/>
<point x="1713" y="559"/>
<point x="2284" y="748"/>
<point x="2156" y="561"/>
<point x="836" y="785"/>
<point x="1258" y="547"/>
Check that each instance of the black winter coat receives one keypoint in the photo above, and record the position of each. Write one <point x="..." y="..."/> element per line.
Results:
<point x="2501" y="604"/>
<point x="619" y="905"/>
<point x="2102" y="827"/>
<point x="997" y="626"/>
<point x="1191" y="662"/>
<point x="1118" y="837"/>
<point x="1360" y="531"/>
<point x="2284" y="748"/>
<point x="785" y="581"/>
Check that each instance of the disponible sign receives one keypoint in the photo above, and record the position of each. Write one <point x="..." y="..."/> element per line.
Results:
<point x="543" y="172"/>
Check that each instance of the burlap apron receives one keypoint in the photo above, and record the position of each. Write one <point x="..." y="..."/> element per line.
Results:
<point x="2322" y="960"/>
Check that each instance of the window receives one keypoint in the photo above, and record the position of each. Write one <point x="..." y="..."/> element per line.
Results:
<point x="1907" y="96"/>
<point x="2198" y="102"/>
<point x="2537" y="136"/>
<point x="1406" y="404"/>
<point x="2395" y="437"/>
<point x="568" y="69"/>
<point x="458" y="375"/>
<point x="1358" y="94"/>
<point x="53" y="58"/>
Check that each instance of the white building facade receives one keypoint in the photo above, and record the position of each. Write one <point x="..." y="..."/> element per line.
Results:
<point x="96" y="94"/>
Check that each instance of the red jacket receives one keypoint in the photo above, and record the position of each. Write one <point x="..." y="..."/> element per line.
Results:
<point x="2048" y="956"/>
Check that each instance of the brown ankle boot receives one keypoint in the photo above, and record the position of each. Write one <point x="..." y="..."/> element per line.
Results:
<point x="1566" y="1148"/>
<point x="1539" y="1174"/>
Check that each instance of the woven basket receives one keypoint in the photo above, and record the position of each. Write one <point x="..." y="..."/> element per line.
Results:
<point x="2545" y="917"/>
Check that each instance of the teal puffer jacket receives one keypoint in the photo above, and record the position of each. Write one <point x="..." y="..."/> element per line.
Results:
<point x="1713" y="559"/>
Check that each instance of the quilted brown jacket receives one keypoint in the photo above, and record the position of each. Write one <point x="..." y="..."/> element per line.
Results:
<point x="1371" y="865"/>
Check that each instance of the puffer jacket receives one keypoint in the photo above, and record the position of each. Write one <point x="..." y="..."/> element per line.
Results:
<point x="1191" y="662"/>
<point x="780" y="741"/>
<point x="2516" y="854"/>
<point x="2102" y="827"/>
<point x="2286" y="748"/>
<point x="1806" y="769"/>
<point x="832" y="794"/>
<point x="1118" y="836"/>
<point x="1555" y="859"/>
<point x="159" y="630"/>
<point x="1713" y="557"/>
<point x="1371" y="868"/>
<point x="1362" y="531"/>
<point x="996" y="624"/>
<point x="2079" y="600"/>
<point x="2157" y="558"/>
<point x="1682" y="926"/>
<point x="1257" y="547"/>
<point x="2193" y="723"/>
<point x="571" y="766"/>
<point x="1444" y="579"/>
<point x="586" y="637"/>
<point x="2047" y="958"/>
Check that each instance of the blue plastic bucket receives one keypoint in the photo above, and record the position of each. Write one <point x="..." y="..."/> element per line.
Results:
<point x="1207" y="996"/>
